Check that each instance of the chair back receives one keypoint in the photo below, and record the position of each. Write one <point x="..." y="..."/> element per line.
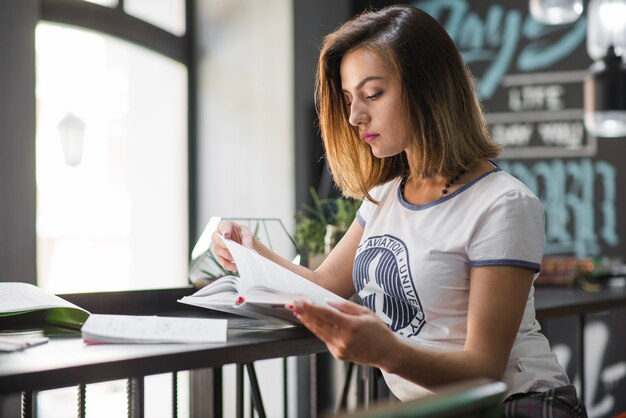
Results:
<point x="479" y="398"/>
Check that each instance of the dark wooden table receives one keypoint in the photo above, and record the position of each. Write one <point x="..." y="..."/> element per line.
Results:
<point x="68" y="361"/>
<point x="554" y="302"/>
<point x="551" y="302"/>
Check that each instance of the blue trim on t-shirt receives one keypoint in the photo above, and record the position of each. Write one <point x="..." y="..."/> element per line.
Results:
<point x="446" y="198"/>
<point x="360" y="219"/>
<point x="506" y="262"/>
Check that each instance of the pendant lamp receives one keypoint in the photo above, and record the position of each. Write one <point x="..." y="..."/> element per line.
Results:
<point x="605" y="84"/>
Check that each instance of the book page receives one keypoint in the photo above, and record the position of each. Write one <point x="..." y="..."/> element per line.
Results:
<point x="256" y="271"/>
<point x="222" y="292"/>
<point x="225" y="298"/>
<point x="153" y="329"/>
<point x="221" y="285"/>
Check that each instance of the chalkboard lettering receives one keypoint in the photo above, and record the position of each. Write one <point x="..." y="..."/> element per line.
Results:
<point x="534" y="97"/>
<point x="579" y="202"/>
<point x="496" y="39"/>
<point x="529" y="111"/>
<point x="565" y="134"/>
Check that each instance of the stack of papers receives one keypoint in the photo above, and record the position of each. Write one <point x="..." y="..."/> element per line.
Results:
<point x="16" y="343"/>
<point x="130" y="329"/>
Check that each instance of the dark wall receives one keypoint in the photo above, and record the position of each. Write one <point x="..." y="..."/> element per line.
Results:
<point x="312" y="21"/>
<point x="17" y="140"/>
<point x="17" y="150"/>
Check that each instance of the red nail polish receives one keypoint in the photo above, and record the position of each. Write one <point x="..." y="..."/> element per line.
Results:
<point x="291" y="307"/>
<point x="239" y="300"/>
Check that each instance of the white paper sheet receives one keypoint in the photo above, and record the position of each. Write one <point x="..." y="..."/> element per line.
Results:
<point x="153" y="329"/>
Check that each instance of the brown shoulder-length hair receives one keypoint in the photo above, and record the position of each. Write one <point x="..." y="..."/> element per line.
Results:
<point x="445" y="125"/>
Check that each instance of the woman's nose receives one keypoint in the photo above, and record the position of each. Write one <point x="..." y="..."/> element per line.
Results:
<point x="358" y="114"/>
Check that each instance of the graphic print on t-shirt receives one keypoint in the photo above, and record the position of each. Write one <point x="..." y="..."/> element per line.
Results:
<point x="382" y="278"/>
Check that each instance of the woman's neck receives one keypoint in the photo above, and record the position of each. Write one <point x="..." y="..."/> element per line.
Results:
<point x="424" y="190"/>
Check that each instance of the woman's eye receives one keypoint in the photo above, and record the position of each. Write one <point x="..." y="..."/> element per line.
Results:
<point x="374" y="96"/>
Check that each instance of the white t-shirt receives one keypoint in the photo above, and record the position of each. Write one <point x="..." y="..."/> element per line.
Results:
<point x="412" y="269"/>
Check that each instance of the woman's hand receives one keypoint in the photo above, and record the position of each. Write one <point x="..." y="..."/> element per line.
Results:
<point x="233" y="231"/>
<point x="350" y="331"/>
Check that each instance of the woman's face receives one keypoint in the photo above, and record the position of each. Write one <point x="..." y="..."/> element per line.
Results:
<point x="373" y="94"/>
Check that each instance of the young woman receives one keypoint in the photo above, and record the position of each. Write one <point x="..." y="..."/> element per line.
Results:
<point x="445" y="246"/>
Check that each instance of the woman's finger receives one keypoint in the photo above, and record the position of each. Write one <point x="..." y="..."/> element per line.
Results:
<point x="348" y="307"/>
<point x="247" y="239"/>
<point x="227" y="264"/>
<point x="324" y="330"/>
<point x="225" y="228"/>
<point x="328" y="323"/>
<point x="218" y="246"/>
<point x="236" y="232"/>
<point x="331" y="316"/>
<point x="224" y="257"/>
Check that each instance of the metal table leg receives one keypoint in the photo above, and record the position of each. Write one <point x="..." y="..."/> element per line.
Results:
<point x="256" y="392"/>
<point x="580" y="339"/>
<point x="285" y="389"/>
<point x="343" y="401"/>
<point x="239" y="391"/>
<point x="82" y="401"/>
<point x="175" y="395"/>
<point x="27" y="404"/>
<point x="135" y="397"/>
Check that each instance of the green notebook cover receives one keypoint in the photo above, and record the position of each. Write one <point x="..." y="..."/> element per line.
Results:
<point x="18" y="298"/>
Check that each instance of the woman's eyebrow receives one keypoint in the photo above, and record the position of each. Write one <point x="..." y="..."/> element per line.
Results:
<point x="365" y="80"/>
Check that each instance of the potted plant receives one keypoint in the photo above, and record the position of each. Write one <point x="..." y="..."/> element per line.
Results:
<point x="321" y="226"/>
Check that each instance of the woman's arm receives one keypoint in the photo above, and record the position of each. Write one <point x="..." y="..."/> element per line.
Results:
<point x="334" y="274"/>
<point x="498" y="296"/>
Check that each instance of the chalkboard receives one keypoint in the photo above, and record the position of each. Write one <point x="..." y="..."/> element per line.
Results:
<point x="530" y="80"/>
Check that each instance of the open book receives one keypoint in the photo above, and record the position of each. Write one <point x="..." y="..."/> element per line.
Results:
<point x="261" y="290"/>
<point x="22" y="299"/>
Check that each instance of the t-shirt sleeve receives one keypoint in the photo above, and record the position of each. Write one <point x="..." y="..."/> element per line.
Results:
<point x="511" y="233"/>
<point x="367" y="208"/>
<point x="364" y="212"/>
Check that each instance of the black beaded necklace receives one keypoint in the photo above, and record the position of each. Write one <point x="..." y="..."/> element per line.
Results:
<point x="444" y="192"/>
<point x="450" y="182"/>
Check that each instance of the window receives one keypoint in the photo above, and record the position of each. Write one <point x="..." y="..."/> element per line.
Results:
<point x="111" y="208"/>
<point x="108" y="3"/>
<point x="112" y="165"/>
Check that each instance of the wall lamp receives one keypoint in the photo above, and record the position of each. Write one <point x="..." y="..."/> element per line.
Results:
<point x="72" y="134"/>
<point x="556" y="12"/>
